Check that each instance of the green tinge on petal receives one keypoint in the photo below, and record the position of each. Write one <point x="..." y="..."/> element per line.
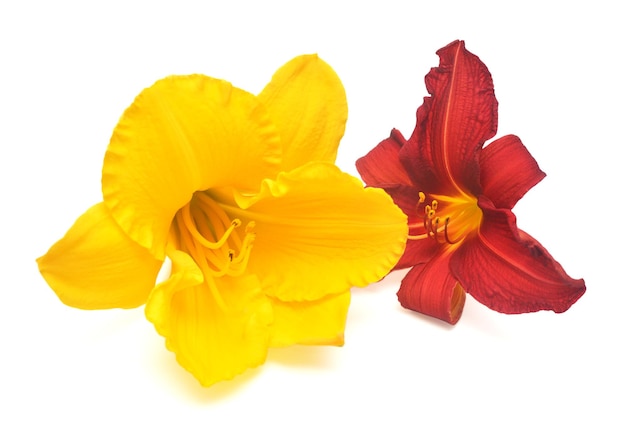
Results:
<point x="319" y="232"/>
<point x="181" y="135"/>
<point x="320" y="322"/>
<point x="96" y="266"/>
<point x="217" y="328"/>
<point x="307" y="102"/>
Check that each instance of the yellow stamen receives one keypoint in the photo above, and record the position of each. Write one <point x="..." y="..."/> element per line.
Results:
<point x="447" y="219"/>
<point x="204" y="231"/>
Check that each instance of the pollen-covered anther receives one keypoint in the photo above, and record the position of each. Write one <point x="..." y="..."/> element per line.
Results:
<point x="422" y="198"/>
<point x="436" y="226"/>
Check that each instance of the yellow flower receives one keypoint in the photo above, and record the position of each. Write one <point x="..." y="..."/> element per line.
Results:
<point x="265" y="235"/>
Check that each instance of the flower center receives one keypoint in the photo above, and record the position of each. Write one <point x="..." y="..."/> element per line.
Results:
<point x="447" y="219"/>
<point x="202" y="229"/>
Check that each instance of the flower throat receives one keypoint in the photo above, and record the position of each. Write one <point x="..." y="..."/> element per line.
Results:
<point x="202" y="229"/>
<point x="446" y="219"/>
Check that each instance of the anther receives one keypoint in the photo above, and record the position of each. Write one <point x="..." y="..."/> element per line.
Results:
<point x="249" y="226"/>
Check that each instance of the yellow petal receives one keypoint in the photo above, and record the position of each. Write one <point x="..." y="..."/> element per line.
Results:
<point x="183" y="134"/>
<point x="96" y="266"/>
<point x="307" y="102"/>
<point x="217" y="328"/>
<point x="319" y="232"/>
<point x="320" y="322"/>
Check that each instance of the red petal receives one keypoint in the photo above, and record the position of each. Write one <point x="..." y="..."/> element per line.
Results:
<point x="452" y="124"/>
<point x="507" y="171"/>
<point x="416" y="252"/>
<point x="432" y="290"/>
<point x="381" y="167"/>
<point x="509" y="271"/>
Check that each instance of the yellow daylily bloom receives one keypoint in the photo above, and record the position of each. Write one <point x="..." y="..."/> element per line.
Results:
<point x="265" y="234"/>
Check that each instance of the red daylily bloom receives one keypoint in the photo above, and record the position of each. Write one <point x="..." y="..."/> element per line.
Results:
<point x="458" y="197"/>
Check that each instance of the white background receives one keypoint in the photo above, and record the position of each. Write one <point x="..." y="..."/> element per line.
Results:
<point x="68" y="70"/>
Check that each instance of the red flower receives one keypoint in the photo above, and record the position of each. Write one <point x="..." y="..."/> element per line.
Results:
<point x="458" y="197"/>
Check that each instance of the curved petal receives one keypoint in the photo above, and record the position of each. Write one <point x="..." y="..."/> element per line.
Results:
<point x="507" y="171"/>
<point x="183" y="134"/>
<point x="381" y="167"/>
<point x="431" y="289"/>
<point x="509" y="271"/>
<point x="452" y="124"/>
<point x="213" y="339"/>
<point x="96" y="266"/>
<point x="320" y="322"/>
<point x="418" y="251"/>
<point x="307" y="102"/>
<point x="319" y="232"/>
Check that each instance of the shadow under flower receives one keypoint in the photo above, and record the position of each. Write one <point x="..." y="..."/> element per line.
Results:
<point x="476" y="317"/>
<point x="481" y="319"/>
<point x="165" y="370"/>
<point x="303" y="356"/>
<point x="163" y="366"/>
<point x="429" y="320"/>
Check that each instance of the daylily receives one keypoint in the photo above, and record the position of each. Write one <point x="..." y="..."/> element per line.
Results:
<point x="264" y="233"/>
<point x="458" y="198"/>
